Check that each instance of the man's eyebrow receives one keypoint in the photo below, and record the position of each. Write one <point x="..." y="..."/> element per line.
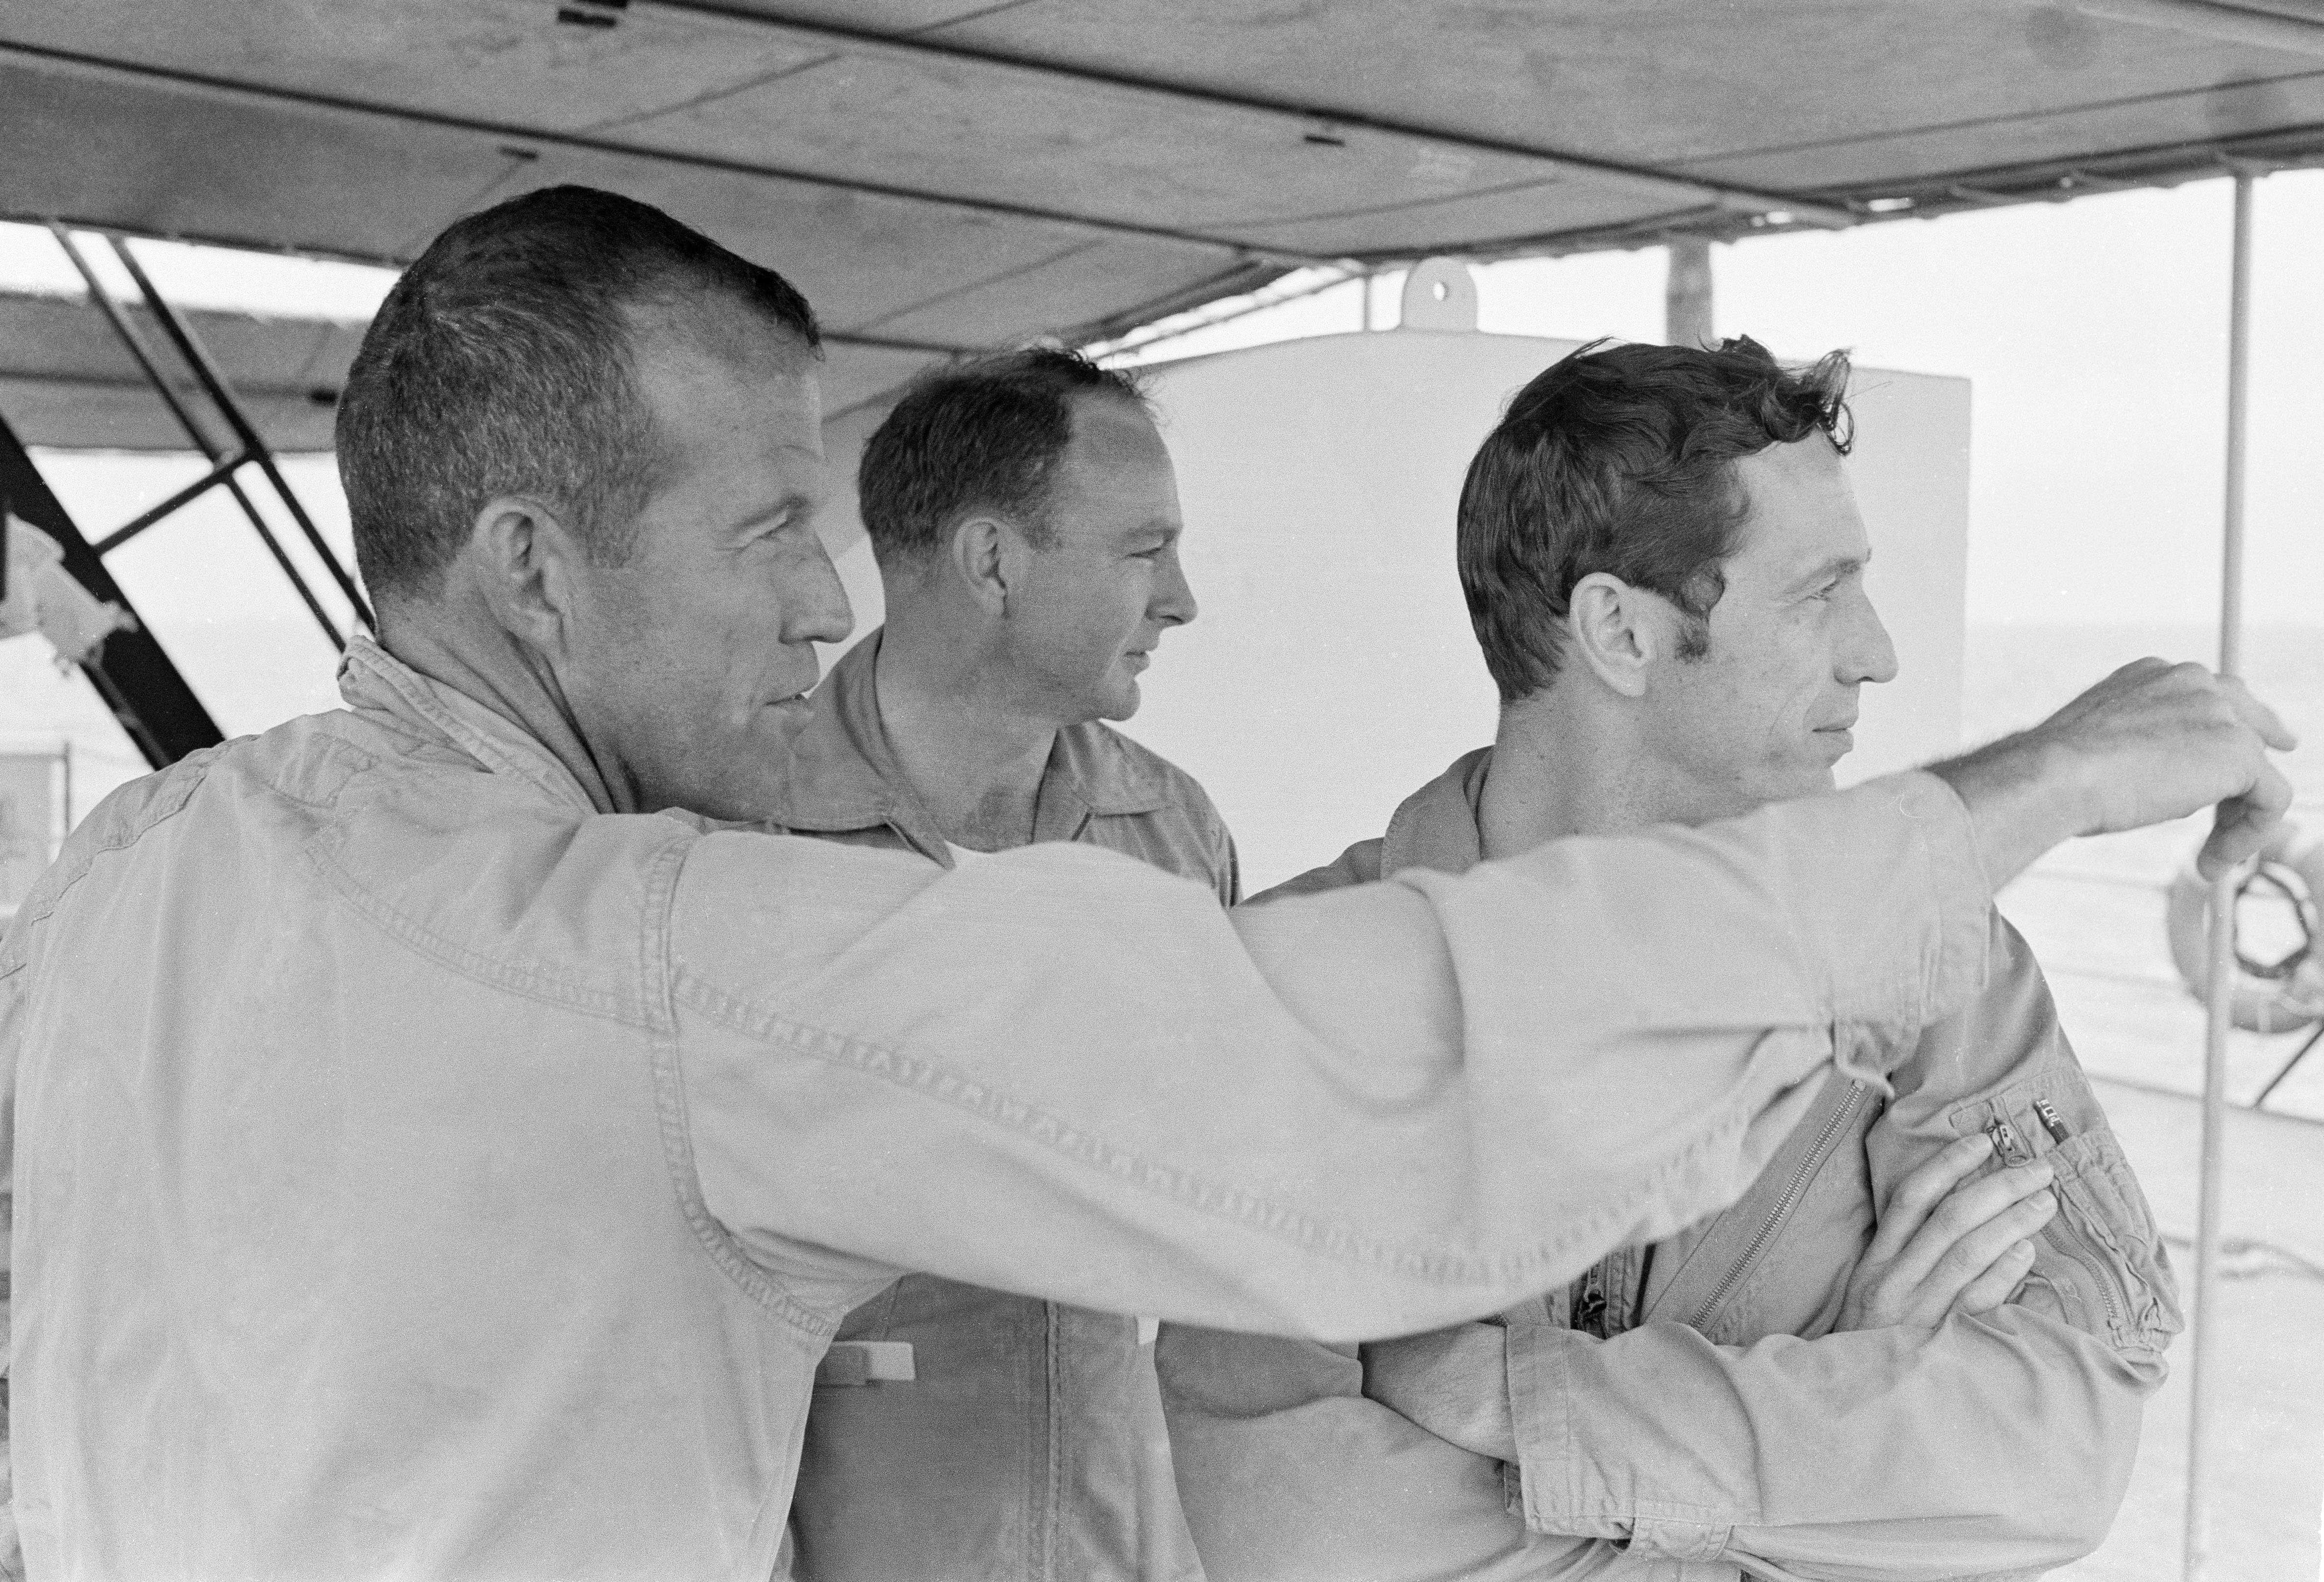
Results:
<point x="1838" y="565"/>
<point x="791" y="505"/>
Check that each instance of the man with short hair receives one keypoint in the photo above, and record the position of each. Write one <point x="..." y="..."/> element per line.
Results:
<point x="443" y="1141"/>
<point x="1025" y="516"/>
<point x="1920" y="1344"/>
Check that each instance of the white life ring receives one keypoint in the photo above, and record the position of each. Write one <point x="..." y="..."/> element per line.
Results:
<point x="2268" y="997"/>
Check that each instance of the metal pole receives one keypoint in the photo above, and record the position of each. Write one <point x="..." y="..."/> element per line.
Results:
<point x="224" y="468"/>
<point x="2220" y="986"/>
<point x="129" y="670"/>
<point x="191" y="492"/>
<point x="213" y="383"/>
<point x="134" y="344"/>
<point x="1686" y="294"/>
<point x="283" y="558"/>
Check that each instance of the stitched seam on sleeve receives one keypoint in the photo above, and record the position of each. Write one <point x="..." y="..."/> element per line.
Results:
<point x="1429" y="1265"/>
<point x="670" y="1113"/>
<point x="1677" y="1531"/>
<point x="717" y="1245"/>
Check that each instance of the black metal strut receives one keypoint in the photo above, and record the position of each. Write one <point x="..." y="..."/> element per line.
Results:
<point x="130" y="669"/>
<point x="247" y="448"/>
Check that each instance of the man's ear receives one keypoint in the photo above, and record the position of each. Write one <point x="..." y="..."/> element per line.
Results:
<point x="978" y="560"/>
<point x="1612" y="628"/>
<point x="525" y="561"/>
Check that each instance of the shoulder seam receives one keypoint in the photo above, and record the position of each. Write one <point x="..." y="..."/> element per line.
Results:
<point x="533" y="983"/>
<point x="167" y="807"/>
<point x="670" y="1114"/>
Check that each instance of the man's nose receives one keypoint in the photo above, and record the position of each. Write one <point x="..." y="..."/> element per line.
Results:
<point x="815" y="607"/>
<point x="1870" y="655"/>
<point x="1174" y="599"/>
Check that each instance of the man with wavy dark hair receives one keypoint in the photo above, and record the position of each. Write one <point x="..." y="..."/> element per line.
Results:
<point x="1919" y="1345"/>
<point x="1619" y="460"/>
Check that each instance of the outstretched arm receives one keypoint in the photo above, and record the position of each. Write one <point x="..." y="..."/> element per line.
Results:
<point x="1359" y="1114"/>
<point x="1347" y="1115"/>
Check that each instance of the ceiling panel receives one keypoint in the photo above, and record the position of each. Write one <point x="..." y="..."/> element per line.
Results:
<point x="941" y="176"/>
<point x="451" y="57"/>
<point x="65" y="380"/>
<point x="1639" y="81"/>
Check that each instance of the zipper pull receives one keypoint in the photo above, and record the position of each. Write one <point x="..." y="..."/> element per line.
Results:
<point x="2007" y="1146"/>
<point x="1590" y="1303"/>
<point x="2050" y="1122"/>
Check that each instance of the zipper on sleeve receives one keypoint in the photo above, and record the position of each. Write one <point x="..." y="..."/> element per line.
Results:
<point x="2064" y="1240"/>
<point x="1793" y="1190"/>
<point x="2007" y="1146"/>
<point x="2011" y="1149"/>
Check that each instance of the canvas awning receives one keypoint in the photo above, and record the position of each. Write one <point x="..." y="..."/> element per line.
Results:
<point x="949" y="174"/>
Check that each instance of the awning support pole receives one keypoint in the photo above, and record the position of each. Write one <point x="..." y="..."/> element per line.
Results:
<point x="1687" y="294"/>
<point x="213" y="383"/>
<point x="226" y="460"/>
<point x="2220" y="986"/>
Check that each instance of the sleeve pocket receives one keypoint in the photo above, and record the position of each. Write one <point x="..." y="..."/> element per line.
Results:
<point x="2099" y="1264"/>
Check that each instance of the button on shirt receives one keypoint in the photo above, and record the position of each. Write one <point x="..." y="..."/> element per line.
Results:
<point x="418" y="1169"/>
<point x="1029" y="1441"/>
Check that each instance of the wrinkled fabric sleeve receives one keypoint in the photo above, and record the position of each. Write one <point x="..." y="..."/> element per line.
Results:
<point x="1287" y="1474"/>
<point x="1358" y="864"/>
<point x="1997" y="1444"/>
<point x="1061" y="1073"/>
<point x="2004" y="1060"/>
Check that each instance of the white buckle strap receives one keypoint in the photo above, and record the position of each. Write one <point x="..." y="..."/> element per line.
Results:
<point x="851" y="1362"/>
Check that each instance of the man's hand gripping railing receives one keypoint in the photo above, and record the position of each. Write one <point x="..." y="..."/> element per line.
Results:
<point x="2151" y="743"/>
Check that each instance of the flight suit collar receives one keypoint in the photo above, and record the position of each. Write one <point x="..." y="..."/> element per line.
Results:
<point x="843" y="775"/>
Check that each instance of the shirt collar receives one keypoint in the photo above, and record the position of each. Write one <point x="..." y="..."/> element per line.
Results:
<point x="373" y="681"/>
<point x="843" y="773"/>
<point x="1437" y="825"/>
<point x="1091" y="762"/>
